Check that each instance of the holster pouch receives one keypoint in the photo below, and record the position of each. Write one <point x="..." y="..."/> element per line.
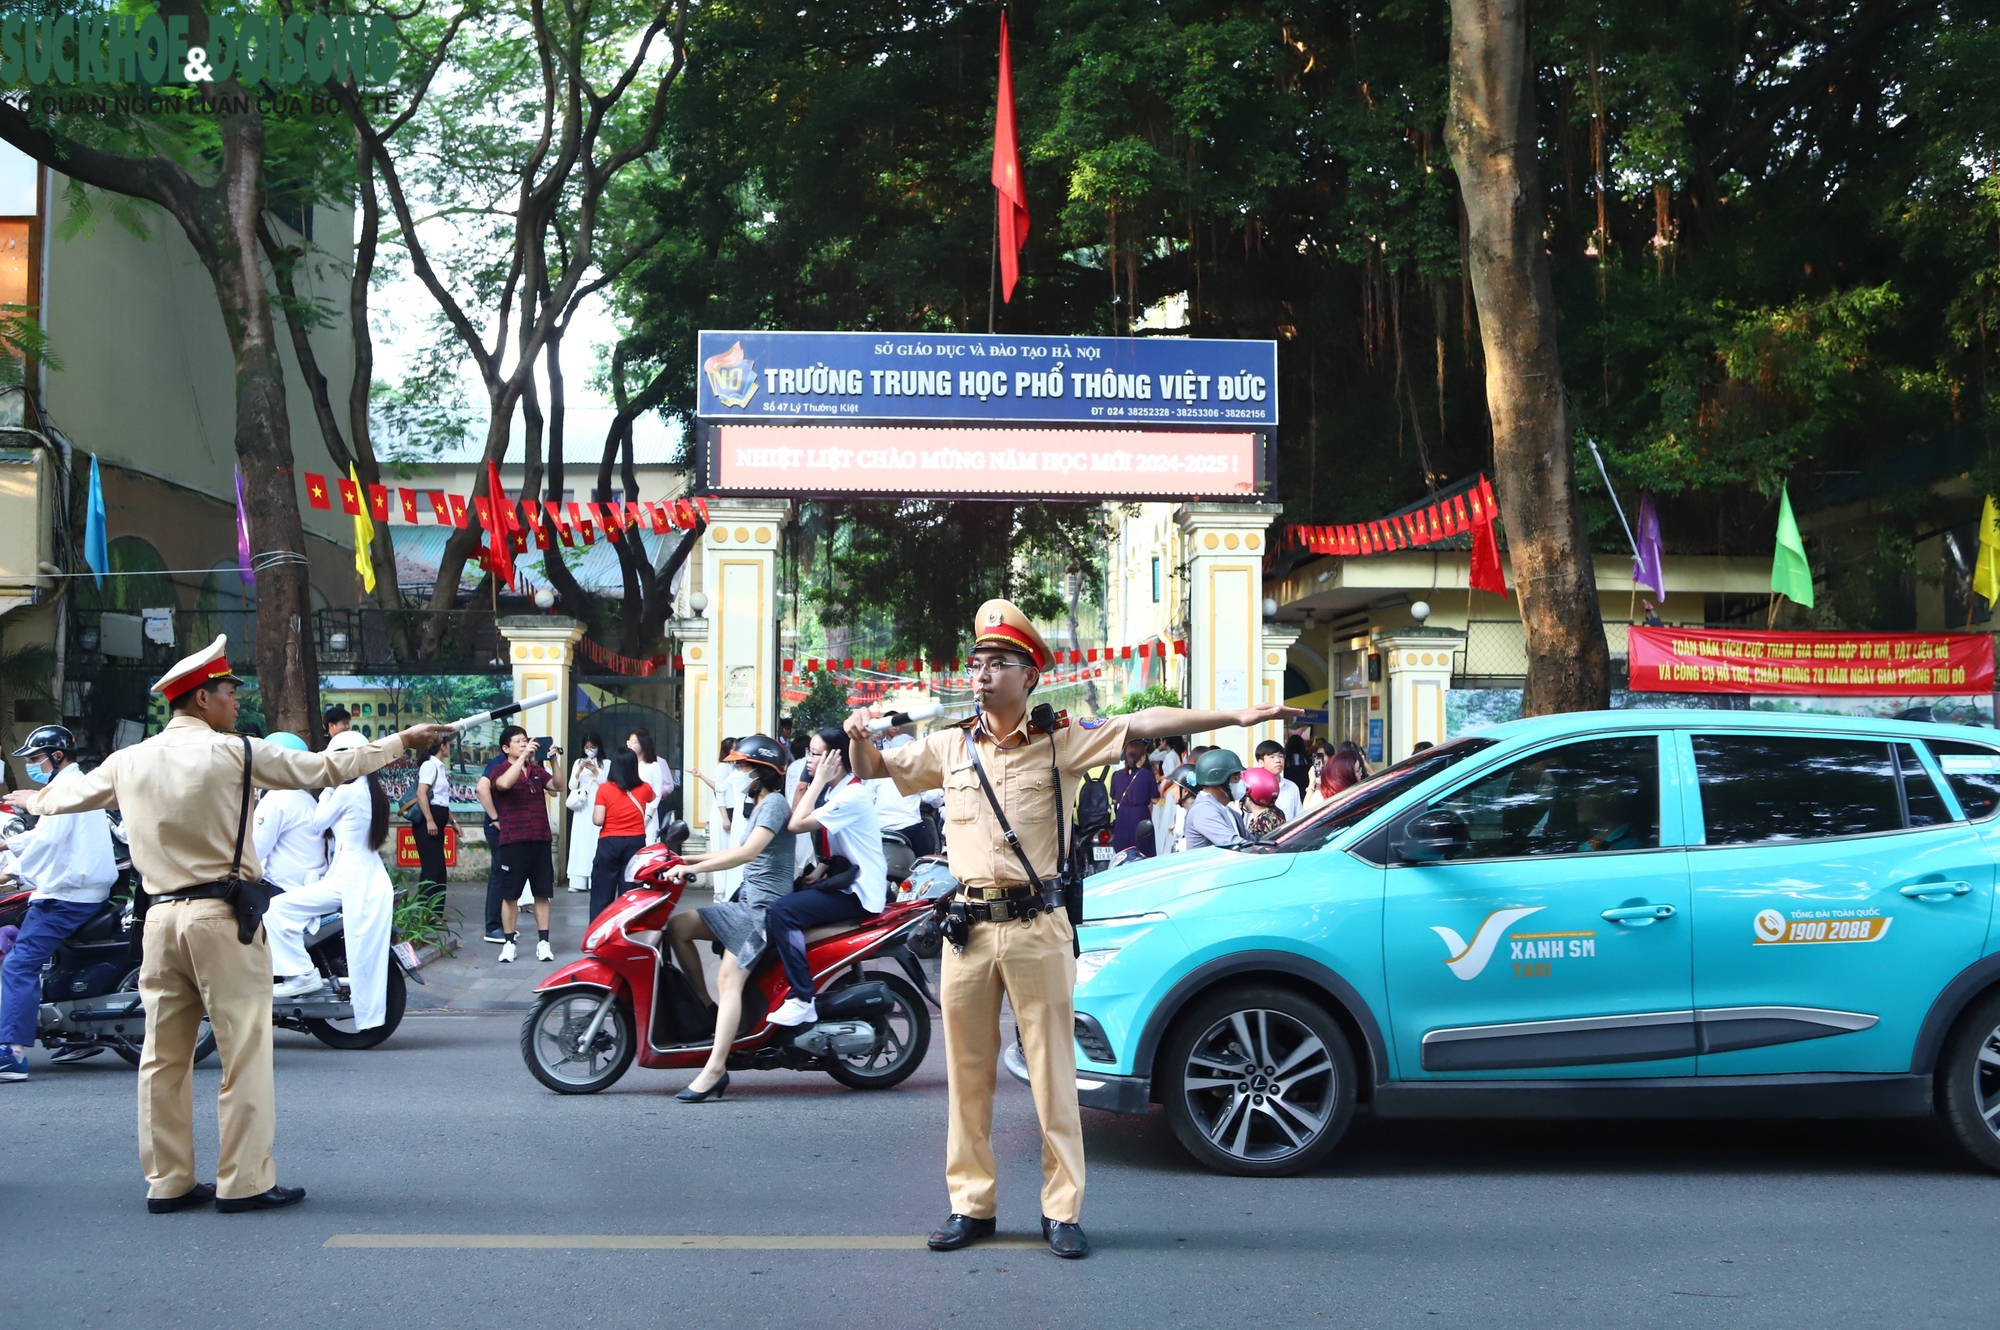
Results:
<point x="957" y="926"/>
<point x="247" y="901"/>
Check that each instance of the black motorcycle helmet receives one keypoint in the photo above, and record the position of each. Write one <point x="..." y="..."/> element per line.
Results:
<point x="765" y="752"/>
<point x="48" y="739"/>
<point x="1183" y="776"/>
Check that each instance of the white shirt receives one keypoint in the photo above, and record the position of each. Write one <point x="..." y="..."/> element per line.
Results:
<point x="660" y="778"/>
<point x="288" y="844"/>
<point x="67" y="857"/>
<point x="854" y="832"/>
<point x="434" y="774"/>
<point x="894" y="809"/>
<point x="1288" y="799"/>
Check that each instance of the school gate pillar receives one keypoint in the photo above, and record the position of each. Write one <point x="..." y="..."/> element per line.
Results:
<point x="729" y="654"/>
<point x="542" y="651"/>
<point x="1227" y="656"/>
<point x="1420" y="668"/>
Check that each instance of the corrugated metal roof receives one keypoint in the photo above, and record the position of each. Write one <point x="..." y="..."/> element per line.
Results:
<point x="655" y="440"/>
<point x="418" y="550"/>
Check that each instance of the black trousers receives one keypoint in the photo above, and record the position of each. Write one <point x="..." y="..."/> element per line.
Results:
<point x="496" y="890"/>
<point x="788" y="918"/>
<point x="430" y="854"/>
<point x="607" y="869"/>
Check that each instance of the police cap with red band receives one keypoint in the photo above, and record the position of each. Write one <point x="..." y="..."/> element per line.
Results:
<point x="1000" y="624"/>
<point x="210" y="666"/>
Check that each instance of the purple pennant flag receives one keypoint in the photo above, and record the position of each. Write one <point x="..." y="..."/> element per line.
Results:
<point x="243" y="535"/>
<point x="1647" y="554"/>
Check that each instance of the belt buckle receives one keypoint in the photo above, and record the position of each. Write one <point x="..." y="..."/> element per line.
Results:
<point x="1000" y="912"/>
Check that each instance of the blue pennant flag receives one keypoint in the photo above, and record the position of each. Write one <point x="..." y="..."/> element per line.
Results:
<point x="96" y="553"/>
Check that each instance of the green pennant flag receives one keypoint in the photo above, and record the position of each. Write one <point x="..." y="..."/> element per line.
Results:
<point x="1791" y="575"/>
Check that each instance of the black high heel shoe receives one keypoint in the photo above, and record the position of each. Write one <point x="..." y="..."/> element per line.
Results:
<point x="694" y="1096"/>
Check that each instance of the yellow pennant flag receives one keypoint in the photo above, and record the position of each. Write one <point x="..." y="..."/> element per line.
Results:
<point x="364" y="535"/>
<point x="1986" y="570"/>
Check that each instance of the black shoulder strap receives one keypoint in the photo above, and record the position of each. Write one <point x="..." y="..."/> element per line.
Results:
<point x="243" y="820"/>
<point x="1006" y="830"/>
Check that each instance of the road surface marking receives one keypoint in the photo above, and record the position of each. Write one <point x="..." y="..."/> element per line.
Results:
<point x="656" y="1241"/>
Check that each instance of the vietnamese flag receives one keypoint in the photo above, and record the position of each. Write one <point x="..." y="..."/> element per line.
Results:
<point x="458" y="518"/>
<point x="350" y="497"/>
<point x="1486" y="574"/>
<point x="1011" y="196"/>
<point x="408" y="498"/>
<point x="439" y="508"/>
<point x="378" y="502"/>
<point x="500" y="553"/>
<point x="316" y="491"/>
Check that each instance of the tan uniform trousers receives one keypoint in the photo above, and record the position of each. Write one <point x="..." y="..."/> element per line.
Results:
<point x="1032" y="964"/>
<point x="194" y="964"/>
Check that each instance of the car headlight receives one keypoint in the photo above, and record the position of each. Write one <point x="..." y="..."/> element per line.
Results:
<point x="1090" y="962"/>
<point x="1123" y="920"/>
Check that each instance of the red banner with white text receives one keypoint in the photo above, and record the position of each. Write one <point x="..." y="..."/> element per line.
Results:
<point x="1713" y="660"/>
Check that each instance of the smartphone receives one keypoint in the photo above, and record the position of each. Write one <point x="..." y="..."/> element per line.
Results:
<point x="543" y="747"/>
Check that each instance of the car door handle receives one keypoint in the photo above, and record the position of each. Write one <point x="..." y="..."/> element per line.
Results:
<point x="1935" y="891"/>
<point x="1638" y="916"/>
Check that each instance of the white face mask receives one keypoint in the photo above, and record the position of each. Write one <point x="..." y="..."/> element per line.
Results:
<point x="590" y="750"/>
<point x="1235" y="789"/>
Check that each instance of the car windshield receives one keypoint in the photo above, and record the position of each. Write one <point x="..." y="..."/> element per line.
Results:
<point x="1316" y="827"/>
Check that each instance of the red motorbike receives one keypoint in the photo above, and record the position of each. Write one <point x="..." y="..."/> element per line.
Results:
<point x="627" y="999"/>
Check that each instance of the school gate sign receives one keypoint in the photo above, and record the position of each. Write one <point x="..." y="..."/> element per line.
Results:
<point x="781" y="415"/>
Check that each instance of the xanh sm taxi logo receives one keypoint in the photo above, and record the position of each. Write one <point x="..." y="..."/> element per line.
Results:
<point x="1531" y="954"/>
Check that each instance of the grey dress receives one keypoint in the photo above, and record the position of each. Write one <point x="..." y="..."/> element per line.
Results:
<point x="738" y="924"/>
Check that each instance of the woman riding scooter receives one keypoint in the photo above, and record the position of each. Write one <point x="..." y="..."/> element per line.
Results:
<point x="738" y="924"/>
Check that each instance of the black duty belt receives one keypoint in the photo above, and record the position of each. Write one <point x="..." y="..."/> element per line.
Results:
<point x="999" y="905"/>
<point x="206" y="891"/>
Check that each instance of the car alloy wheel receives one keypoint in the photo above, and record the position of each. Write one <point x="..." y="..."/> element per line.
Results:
<point x="1262" y="1082"/>
<point x="1968" y="1081"/>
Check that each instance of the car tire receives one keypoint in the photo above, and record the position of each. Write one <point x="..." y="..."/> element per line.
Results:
<point x="1968" y="1086"/>
<point x="1267" y="1116"/>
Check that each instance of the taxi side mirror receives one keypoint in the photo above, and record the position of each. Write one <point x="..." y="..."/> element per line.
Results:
<point x="1433" y="835"/>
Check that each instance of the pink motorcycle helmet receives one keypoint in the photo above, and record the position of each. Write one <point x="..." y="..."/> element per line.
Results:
<point x="1261" y="785"/>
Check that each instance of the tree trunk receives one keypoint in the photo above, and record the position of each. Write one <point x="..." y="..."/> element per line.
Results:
<point x="287" y="673"/>
<point x="1492" y="132"/>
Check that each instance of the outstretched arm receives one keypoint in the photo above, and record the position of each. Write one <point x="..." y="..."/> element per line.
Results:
<point x="1158" y="722"/>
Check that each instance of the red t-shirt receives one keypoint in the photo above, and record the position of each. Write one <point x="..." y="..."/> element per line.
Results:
<point x="624" y="814"/>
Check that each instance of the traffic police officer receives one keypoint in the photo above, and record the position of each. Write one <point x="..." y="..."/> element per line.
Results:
<point x="1019" y="943"/>
<point x="182" y="795"/>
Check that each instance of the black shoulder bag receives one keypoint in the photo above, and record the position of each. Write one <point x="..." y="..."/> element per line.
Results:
<point x="247" y="900"/>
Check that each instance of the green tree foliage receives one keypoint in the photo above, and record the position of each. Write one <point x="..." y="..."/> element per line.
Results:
<point x="1773" y="230"/>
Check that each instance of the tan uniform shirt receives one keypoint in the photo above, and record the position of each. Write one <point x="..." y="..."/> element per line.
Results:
<point x="1019" y="767"/>
<point x="182" y="792"/>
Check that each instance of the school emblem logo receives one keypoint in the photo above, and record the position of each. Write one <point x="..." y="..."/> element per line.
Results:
<point x="732" y="378"/>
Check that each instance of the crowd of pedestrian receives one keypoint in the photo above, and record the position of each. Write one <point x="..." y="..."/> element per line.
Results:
<point x="1169" y="799"/>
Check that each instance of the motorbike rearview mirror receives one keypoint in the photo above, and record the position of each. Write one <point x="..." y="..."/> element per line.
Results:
<point x="1433" y="835"/>
<point x="676" y="835"/>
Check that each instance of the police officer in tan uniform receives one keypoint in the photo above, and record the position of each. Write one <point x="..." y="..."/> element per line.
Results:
<point x="181" y="792"/>
<point x="1020" y="942"/>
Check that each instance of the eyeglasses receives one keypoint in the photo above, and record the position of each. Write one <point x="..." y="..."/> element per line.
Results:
<point x="979" y="669"/>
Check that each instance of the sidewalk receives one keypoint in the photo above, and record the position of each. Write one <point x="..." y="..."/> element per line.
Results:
<point x="475" y="980"/>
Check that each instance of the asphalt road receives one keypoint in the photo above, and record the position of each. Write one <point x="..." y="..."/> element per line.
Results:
<point x="442" y="1131"/>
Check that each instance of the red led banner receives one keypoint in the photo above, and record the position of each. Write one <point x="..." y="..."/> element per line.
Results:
<point x="1710" y="660"/>
<point x="891" y="459"/>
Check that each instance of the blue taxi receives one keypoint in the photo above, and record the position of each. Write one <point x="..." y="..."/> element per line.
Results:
<point x="1603" y="914"/>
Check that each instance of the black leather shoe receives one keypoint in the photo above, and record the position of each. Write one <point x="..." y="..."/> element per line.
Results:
<point x="1065" y="1240"/>
<point x="961" y="1231"/>
<point x="199" y="1194"/>
<point x="275" y="1199"/>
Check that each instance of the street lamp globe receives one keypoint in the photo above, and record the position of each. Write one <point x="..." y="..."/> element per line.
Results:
<point x="1420" y="610"/>
<point x="545" y="598"/>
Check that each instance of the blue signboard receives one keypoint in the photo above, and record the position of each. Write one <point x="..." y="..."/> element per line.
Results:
<point x="830" y="378"/>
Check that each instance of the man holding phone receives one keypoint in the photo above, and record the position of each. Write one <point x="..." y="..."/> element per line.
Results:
<point x="521" y="778"/>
